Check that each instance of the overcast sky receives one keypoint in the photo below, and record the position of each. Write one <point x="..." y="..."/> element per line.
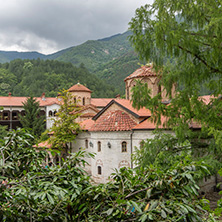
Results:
<point x="48" y="26"/>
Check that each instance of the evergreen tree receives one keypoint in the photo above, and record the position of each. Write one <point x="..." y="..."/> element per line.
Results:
<point x="32" y="119"/>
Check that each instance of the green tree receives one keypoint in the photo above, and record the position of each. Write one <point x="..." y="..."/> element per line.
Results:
<point x="31" y="192"/>
<point x="65" y="127"/>
<point x="189" y="34"/>
<point x="32" y="119"/>
<point x="183" y="40"/>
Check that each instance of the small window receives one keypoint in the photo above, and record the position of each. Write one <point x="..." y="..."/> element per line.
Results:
<point x="83" y="101"/>
<point x="99" y="146"/>
<point x="50" y="113"/>
<point x="86" y="144"/>
<point x="99" y="168"/>
<point x="74" y="99"/>
<point x="124" y="147"/>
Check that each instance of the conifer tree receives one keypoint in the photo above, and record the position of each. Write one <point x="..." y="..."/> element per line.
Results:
<point x="32" y="119"/>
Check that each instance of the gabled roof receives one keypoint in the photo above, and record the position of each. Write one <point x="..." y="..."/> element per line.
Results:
<point x="144" y="71"/>
<point x="84" y="108"/>
<point x="149" y="124"/>
<point x="100" y="102"/>
<point x="79" y="88"/>
<point x="127" y="106"/>
<point x="114" y="121"/>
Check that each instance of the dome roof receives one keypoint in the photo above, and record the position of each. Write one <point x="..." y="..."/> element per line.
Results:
<point x="79" y="88"/>
<point x="144" y="71"/>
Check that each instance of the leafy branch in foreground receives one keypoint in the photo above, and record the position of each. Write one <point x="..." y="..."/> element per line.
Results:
<point x="65" y="127"/>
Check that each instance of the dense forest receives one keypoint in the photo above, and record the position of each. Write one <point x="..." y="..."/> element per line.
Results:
<point x="33" y="77"/>
<point x="111" y="59"/>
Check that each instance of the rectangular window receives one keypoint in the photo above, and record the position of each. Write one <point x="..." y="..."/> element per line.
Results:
<point x="99" y="146"/>
<point x="124" y="147"/>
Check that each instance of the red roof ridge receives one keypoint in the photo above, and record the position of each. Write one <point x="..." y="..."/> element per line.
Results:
<point x="79" y="88"/>
<point x="117" y="120"/>
<point x="143" y="71"/>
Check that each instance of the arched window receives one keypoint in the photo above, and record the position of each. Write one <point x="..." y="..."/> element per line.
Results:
<point x="83" y="101"/>
<point x="86" y="144"/>
<point x="99" y="170"/>
<point x="55" y="113"/>
<point x="124" y="147"/>
<point x="50" y="113"/>
<point x="74" y="99"/>
<point x="99" y="146"/>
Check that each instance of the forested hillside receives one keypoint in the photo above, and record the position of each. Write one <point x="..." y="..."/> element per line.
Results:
<point x="111" y="59"/>
<point x="117" y="70"/>
<point x="95" y="53"/>
<point x="33" y="77"/>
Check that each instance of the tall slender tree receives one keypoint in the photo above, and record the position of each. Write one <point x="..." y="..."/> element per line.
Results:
<point x="65" y="127"/>
<point x="32" y="120"/>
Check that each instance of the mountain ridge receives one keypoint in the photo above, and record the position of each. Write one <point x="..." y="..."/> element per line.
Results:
<point x="110" y="58"/>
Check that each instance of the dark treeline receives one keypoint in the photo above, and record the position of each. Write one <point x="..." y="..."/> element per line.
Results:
<point x="33" y="77"/>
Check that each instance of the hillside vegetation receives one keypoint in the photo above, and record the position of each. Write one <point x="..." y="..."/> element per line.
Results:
<point x="95" y="53"/>
<point x="111" y="59"/>
<point x="33" y="77"/>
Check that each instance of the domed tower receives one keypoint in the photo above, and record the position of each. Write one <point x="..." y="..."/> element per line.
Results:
<point x="81" y="94"/>
<point x="146" y="74"/>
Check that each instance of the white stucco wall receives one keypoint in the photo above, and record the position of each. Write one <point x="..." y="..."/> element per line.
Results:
<point x="110" y="158"/>
<point x="80" y="143"/>
<point x="50" y="119"/>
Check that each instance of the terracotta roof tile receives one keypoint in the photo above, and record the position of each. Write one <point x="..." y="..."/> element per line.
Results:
<point x="79" y="88"/>
<point x="86" y="124"/>
<point x="142" y="72"/>
<point x="84" y="108"/>
<point x="114" y="121"/>
<point x="100" y="102"/>
<point x="150" y="125"/>
<point x="143" y="112"/>
<point x="18" y="101"/>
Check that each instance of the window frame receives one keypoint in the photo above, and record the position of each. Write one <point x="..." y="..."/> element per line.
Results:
<point x="99" y="146"/>
<point x="124" y="147"/>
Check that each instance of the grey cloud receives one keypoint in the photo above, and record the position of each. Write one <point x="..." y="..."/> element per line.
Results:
<point x="48" y="26"/>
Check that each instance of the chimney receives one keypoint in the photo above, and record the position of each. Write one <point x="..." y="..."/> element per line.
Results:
<point x="9" y="94"/>
<point x="43" y="96"/>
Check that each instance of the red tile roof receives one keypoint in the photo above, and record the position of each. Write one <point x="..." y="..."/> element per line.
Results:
<point x="150" y="125"/>
<point x="86" y="124"/>
<point x="100" y="102"/>
<point x="114" y="121"/>
<point x="143" y="71"/>
<point x="84" y="108"/>
<point x="87" y="115"/>
<point x="18" y="101"/>
<point x="143" y="112"/>
<point x="79" y="88"/>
